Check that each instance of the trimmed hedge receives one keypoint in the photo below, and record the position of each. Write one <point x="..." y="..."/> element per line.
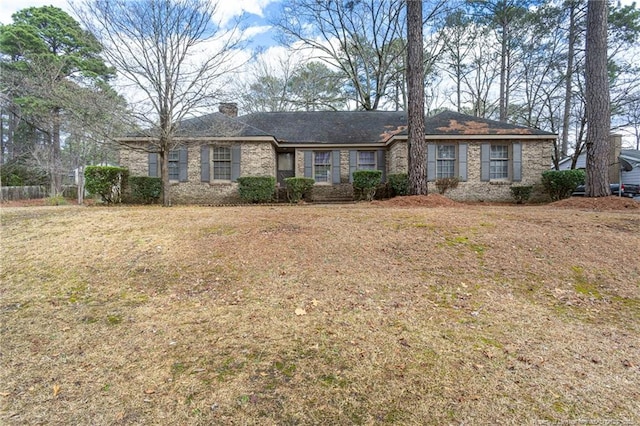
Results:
<point x="256" y="189"/>
<point x="399" y="183"/>
<point x="145" y="189"/>
<point x="521" y="193"/>
<point x="106" y="181"/>
<point x="559" y="184"/>
<point x="445" y="184"/>
<point x="365" y="182"/>
<point x="298" y="188"/>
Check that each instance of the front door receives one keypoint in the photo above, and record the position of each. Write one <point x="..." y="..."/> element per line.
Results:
<point x="286" y="166"/>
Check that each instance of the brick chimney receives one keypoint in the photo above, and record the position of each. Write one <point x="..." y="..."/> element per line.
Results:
<point x="230" y="109"/>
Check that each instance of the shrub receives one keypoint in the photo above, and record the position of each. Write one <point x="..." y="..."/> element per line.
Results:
<point x="57" y="200"/>
<point x="559" y="184"/>
<point x="256" y="189"/>
<point x="445" y="184"/>
<point x="521" y="193"/>
<point x="106" y="181"/>
<point x="298" y="188"/>
<point x="366" y="181"/>
<point x="399" y="183"/>
<point x="145" y="189"/>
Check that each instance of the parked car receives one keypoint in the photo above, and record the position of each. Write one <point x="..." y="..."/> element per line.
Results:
<point x="631" y="190"/>
<point x="628" y="190"/>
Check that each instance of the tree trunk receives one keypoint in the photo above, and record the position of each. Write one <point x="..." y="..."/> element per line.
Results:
<point x="597" y="100"/>
<point x="164" y="173"/>
<point x="80" y="192"/>
<point x="503" y="72"/>
<point x="415" y="115"/>
<point x="568" y="81"/>
<point x="56" y="161"/>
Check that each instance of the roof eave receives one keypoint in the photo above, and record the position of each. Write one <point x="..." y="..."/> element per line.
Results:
<point x="397" y="138"/>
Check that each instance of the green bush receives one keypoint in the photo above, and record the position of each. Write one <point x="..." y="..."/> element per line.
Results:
<point x="521" y="193"/>
<point x="365" y="182"/>
<point x="399" y="183"/>
<point x="298" y="188"/>
<point x="256" y="189"/>
<point x="559" y="184"/>
<point x="144" y="189"/>
<point x="106" y="181"/>
<point x="445" y="184"/>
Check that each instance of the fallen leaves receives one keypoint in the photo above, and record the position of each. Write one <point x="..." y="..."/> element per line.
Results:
<point x="56" y="390"/>
<point x="300" y="312"/>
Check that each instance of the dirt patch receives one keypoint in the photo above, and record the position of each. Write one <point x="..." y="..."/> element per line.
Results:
<point x="599" y="204"/>
<point x="431" y="200"/>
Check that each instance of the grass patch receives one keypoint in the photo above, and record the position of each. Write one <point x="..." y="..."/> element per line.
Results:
<point x="360" y="314"/>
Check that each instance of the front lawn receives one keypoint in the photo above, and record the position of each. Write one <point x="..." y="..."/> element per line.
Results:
<point x="351" y="314"/>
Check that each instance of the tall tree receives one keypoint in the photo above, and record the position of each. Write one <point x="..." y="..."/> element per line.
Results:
<point x="504" y="17"/>
<point x="358" y="37"/>
<point x="597" y="100"/>
<point x="459" y="41"/>
<point x="415" y="87"/>
<point x="573" y="7"/>
<point x="45" y="53"/>
<point x="174" y="52"/>
<point x="315" y="87"/>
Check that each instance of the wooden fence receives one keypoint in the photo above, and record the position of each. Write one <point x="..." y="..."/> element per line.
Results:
<point x="11" y="193"/>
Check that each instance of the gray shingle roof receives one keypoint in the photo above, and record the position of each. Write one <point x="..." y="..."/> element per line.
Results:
<point x="454" y="123"/>
<point x="348" y="127"/>
<point x="343" y="127"/>
<point x="217" y="124"/>
<point x="329" y="127"/>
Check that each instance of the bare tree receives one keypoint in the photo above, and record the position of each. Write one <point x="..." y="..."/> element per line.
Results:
<point x="174" y="52"/>
<point x="359" y="37"/>
<point x="415" y="114"/>
<point x="572" y="39"/>
<point x="632" y="120"/>
<point x="597" y="100"/>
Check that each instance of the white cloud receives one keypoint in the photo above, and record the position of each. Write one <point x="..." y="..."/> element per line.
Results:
<point x="251" y="32"/>
<point x="230" y="9"/>
<point x="227" y="9"/>
<point x="9" y="7"/>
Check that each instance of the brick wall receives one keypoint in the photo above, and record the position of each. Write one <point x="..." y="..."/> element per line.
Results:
<point x="259" y="159"/>
<point x="256" y="159"/>
<point x="536" y="158"/>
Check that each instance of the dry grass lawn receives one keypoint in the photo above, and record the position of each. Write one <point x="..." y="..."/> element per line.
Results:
<point x="384" y="313"/>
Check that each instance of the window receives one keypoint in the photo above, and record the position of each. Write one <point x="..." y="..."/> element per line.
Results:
<point x="499" y="162"/>
<point x="285" y="161"/>
<point x="445" y="161"/>
<point x="174" y="164"/>
<point x="366" y="160"/>
<point x="322" y="166"/>
<point x="221" y="163"/>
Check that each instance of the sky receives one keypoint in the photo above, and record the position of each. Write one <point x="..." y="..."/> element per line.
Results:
<point x="256" y="11"/>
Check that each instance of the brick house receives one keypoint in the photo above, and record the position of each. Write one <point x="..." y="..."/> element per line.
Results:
<point x="214" y="150"/>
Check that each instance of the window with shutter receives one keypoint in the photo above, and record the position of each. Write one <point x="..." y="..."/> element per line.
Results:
<point x="499" y="162"/>
<point x="322" y="166"/>
<point x="221" y="163"/>
<point x="174" y="164"/>
<point x="445" y="161"/>
<point x="366" y="160"/>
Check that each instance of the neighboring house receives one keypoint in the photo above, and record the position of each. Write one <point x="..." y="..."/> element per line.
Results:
<point x="328" y="146"/>
<point x="624" y="163"/>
